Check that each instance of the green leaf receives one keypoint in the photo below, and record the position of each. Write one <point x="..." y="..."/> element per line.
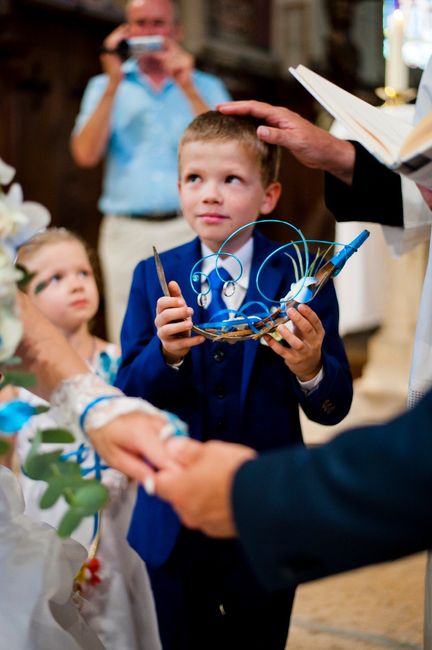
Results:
<point x="69" y="469"/>
<point x="40" y="287"/>
<point x="4" y="447"/>
<point x="70" y="521"/>
<point x="91" y="497"/>
<point x="26" y="277"/>
<point x="56" y="435"/>
<point x="18" y="378"/>
<point x="52" y="493"/>
<point x="41" y="409"/>
<point x="40" y="466"/>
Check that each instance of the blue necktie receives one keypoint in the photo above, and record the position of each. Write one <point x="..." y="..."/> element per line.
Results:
<point x="216" y="285"/>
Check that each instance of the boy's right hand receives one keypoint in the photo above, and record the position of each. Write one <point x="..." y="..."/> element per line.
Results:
<point x="174" y="325"/>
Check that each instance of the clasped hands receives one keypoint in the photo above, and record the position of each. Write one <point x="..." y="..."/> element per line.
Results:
<point x="196" y="478"/>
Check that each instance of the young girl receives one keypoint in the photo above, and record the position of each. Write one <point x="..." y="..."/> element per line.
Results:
<point x="120" y="608"/>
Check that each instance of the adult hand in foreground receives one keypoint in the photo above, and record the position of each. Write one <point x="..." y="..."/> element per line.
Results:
<point x="198" y="483"/>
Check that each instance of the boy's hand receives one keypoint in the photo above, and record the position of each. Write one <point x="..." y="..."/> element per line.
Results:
<point x="174" y="325"/>
<point x="303" y="357"/>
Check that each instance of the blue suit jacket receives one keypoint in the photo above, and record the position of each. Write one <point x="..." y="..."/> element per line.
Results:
<point x="363" y="498"/>
<point x="268" y="396"/>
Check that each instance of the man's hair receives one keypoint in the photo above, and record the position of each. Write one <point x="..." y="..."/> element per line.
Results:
<point x="173" y="3"/>
<point x="218" y="127"/>
<point x="49" y="237"/>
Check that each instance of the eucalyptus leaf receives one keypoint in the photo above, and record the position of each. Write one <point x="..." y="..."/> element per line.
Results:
<point x="57" y="435"/>
<point x="91" y="497"/>
<point x="40" y="287"/>
<point x="70" y="521"/>
<point x="41" y="409"/>
<point x="18" y="378"/>
<point x="69" y="469"/>
<point x="53" y="492"/>
<point x="26" y="277"/>
<point x="40" y="466"/>
<point x="4" y="447"/>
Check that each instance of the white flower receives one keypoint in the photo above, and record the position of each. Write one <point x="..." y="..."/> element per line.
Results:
<point x="299" y="290"/>
<point x="20" y="220"/>
<point x="6" y="173"/>
<point x="10" y="324"/>
<point x="11" y="330"/>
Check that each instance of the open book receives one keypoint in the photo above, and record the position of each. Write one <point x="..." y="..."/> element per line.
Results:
<point x="398" y="145"/>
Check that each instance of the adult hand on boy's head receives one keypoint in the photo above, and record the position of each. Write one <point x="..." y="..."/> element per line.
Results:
<point x="303" y="356"/>
<point x="311" y="145"/>
<point x="174" y="325"/>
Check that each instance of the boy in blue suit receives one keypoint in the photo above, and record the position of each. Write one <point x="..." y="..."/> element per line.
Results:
<point x="206" y="595"/>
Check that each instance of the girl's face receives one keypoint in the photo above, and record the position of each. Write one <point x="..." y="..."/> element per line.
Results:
<point x="67" y="294"/>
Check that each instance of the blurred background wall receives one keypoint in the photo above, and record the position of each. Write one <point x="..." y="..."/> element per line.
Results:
<point x="49" y="49"/>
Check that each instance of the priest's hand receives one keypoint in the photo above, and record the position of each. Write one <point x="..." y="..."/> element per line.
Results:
<point x="311" y="145"/>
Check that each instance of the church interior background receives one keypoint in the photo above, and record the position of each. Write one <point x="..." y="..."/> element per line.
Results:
<point x="49" y="50"/>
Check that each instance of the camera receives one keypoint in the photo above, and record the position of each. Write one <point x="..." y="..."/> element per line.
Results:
<point x="142" y="44"/>
<point x="136" y="46"/>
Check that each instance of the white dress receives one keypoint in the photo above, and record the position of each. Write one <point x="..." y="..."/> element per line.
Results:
<point x="37" y="610"/>
<point x="120" y="609"/>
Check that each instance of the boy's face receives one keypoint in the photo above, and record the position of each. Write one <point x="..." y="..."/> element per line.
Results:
<point x="221" y="189"/>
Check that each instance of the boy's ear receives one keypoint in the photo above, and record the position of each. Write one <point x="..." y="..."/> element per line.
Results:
<point x="271" y="197"/>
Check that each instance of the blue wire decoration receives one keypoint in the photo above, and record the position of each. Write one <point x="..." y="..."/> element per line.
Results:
<point x="255" y="319"/>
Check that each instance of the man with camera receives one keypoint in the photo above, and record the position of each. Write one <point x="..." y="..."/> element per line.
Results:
<point x="133" y="116"/>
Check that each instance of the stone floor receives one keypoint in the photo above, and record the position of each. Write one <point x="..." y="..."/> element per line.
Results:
<point x="368" y="609"/>
<point x="375" y="607"/>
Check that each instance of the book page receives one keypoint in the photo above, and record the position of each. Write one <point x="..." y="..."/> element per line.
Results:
<point x="419" y="139"/>
<point x="380" y="133"/>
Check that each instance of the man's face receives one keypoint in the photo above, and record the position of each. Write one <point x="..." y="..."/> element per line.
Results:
<point x="152" y="17"/>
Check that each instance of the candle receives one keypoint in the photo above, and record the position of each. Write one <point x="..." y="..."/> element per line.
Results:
<point x="396" y="71"/>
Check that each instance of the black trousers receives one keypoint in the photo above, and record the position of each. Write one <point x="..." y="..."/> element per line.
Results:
<point x="207" y="598"/>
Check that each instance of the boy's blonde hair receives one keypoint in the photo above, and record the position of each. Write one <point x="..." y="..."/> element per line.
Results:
<point x="53" y="236"/>
<point x="213" y="126"/>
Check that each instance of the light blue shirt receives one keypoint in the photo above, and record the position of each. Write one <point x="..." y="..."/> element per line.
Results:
<point x="146" y="125"/>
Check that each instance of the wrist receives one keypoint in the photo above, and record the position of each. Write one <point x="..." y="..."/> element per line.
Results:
<point x="341" y="161"/>
<point x="85" y="403"/>
<point x="185" y="82"/>
<point x="172" y="359"/>
<point x="112" y="87"/>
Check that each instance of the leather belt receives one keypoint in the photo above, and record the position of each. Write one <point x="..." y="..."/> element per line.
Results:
<point x="155" y="216"/>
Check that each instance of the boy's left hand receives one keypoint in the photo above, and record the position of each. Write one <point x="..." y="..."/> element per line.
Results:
<point x="303" y="356"/>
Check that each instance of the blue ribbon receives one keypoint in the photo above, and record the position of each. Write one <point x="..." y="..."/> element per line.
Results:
<point x="13" y="415"/>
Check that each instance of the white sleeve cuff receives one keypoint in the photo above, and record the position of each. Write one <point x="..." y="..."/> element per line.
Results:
<point x="311" y="384"/>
